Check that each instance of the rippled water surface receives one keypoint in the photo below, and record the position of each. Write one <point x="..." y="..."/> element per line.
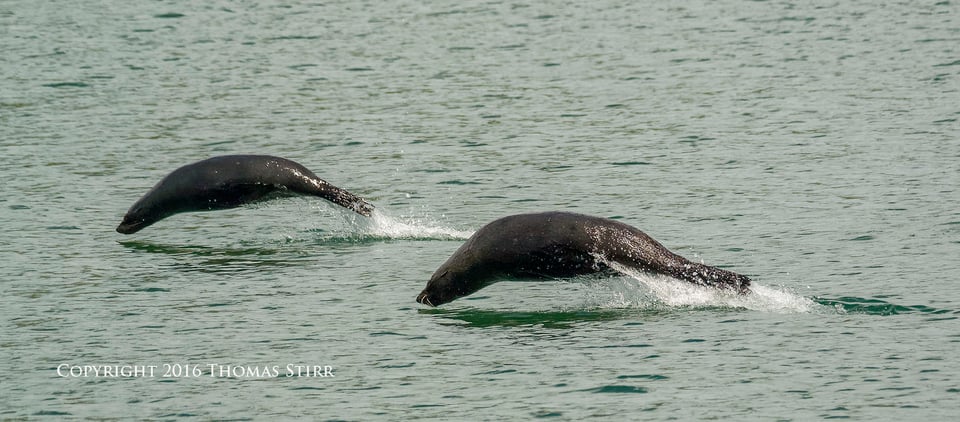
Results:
<point x="814" y="146"/>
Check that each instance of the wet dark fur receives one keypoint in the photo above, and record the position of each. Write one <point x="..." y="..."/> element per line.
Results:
<point x="230" y="181"/>
<point x="560" y="244"/>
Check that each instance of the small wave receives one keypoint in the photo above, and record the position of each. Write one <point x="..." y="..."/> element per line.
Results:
<point x="876" y="306"/>
<point x="515" y="318"/>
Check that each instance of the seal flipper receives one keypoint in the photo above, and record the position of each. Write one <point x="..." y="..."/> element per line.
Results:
<point x="305" y="182"/>
<point x="349" y="201"/>
<point x="320" y="188"/>
<point x="631" y="247"/>
<point x="706" y="275"/>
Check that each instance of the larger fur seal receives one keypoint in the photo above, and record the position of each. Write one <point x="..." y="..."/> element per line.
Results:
<point x="230" y="181"/>
<point x="560" y="244"/>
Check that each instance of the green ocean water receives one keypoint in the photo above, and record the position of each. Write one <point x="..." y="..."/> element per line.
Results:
<point x="814" y="147"/>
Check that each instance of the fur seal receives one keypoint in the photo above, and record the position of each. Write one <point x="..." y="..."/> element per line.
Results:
<point x="230" y="181"/>
<point x="561" y="244"/>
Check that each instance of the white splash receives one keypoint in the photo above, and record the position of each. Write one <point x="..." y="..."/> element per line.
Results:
<point x="381" y="224"/>
<point x="640" y="289"/>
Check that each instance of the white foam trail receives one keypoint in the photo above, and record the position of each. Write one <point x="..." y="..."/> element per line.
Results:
<point x="677" y="293"/>
<point x="381" y="224"/>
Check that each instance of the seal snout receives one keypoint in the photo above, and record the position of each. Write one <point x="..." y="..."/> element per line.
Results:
<point x="129" y="227"/>
<point x="424" y="298"/>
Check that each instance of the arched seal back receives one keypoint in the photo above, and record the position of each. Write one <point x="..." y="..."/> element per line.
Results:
<point x="230" y="181"/>
<point x="560" y="244"/>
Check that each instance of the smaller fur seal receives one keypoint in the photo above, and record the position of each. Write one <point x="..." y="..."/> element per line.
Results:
<point x="230" y="181"/>
<point x="561" y="244"/>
